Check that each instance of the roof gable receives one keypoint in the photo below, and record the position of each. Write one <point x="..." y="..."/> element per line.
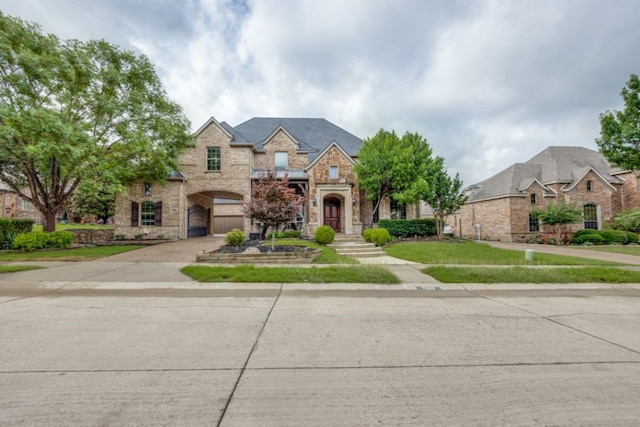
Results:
<point x="332" y="145"/>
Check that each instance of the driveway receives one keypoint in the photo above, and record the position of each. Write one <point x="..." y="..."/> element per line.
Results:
<point x="176" y="251"/>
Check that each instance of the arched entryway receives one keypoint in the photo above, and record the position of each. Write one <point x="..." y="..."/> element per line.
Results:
<point x="333" y="213"/>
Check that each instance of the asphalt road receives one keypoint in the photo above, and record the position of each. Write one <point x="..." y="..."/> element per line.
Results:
<point x="180" y="353"/>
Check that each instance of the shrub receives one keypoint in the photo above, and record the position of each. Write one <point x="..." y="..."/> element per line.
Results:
<point x="10" y="228"/>
<point x="286" y="234"/>
<point x="325" y="235"/>
<point x="235" y="238"/>
<point x="628" y="220"/>
<point x="36" y="240"/>
<point x="366" y="234"/>
<point x="583" y="238"/>
<point x="409" y="227"/>
<point x="606" y="237"/>
<point x="380" y="236"/>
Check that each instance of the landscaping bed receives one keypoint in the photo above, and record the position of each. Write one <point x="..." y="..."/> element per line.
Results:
<point x="254" y="253"/>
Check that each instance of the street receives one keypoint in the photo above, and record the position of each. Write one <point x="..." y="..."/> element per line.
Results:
<point x="319" y="355"/>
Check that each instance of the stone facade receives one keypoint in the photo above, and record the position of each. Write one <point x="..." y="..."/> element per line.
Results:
<point x="200" y="201"/>
<point x="14" y="206"/>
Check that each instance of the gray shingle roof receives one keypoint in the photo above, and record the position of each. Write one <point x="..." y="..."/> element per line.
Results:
<point x="561" y="165"/>
<point x="313" y="135"/>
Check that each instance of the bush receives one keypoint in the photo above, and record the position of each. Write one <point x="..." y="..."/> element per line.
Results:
<point x="628" y="220"/>
<point x="584" y="238"/>
<point x="409" y="227"/>
<point x="235" y="238"/>
<point x="286" y="234"/>
<point x="380" y="236"/>
<point x="366" y="235"/>
<point x="10" y="228"/>
<point x="325" y="235"/>
<point x="36" y="240"/>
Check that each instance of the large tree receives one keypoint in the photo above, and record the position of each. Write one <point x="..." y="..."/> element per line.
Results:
<point x="389" y="166"/>
<point x="619" y="138"/>
<point x="273" y="202"/>
<point x="73" y="112"/>
<point x="444" y="194"/>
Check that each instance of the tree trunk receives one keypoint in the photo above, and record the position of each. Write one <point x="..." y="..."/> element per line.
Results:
<point x="49" y="221"/>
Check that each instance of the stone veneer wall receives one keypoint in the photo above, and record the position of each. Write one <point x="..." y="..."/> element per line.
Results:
<point x="280" y="142"/>
<point x="92" y="237"/>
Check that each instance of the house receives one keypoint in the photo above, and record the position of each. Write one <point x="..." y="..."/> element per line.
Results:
<point x="15" y="206"/>
<point x="207" y="194"/>
<point x="499" y="208"/>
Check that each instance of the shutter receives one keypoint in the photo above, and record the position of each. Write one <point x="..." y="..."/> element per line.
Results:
<point x="158" y="214"/>
<point x="134" y="214"/>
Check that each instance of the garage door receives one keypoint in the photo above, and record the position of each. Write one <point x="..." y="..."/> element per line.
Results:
<point x="224" y="224"/>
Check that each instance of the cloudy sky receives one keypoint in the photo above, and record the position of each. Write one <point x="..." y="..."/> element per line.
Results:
<point x="487" y="82"/>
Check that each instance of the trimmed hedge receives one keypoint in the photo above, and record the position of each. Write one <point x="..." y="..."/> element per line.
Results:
<point x="409" y="227"/>
<point x="10" y="228"/>
<point x="604" y="237"/>
<point x="286" y="234"/>
<point x="325" y="235"/>
<point x="36" y="240"/>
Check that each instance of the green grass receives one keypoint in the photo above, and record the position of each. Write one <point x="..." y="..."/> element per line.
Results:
<point x="15" y="268"/>
<point x="532" y="275"/>
<point x="472" y="253"/>
<point x="76" y="254"/>
<point x="328" y="256"/>
<point x="250" y="273"/>
<point x="627" y="250"/>
<point x="62" y="227"/>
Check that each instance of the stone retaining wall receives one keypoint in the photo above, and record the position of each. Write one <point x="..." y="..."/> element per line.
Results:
<point x="91" y="236"/>
<point x="305" y="257"/>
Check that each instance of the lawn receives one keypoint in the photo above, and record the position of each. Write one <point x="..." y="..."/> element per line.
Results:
<point x="328" y="256"/>
<point x="473" y="253"/>
<point x="15" y="268"/>
<point x="76" y="254"/>
<point x="532" y="275"/>
<point x="250" y="273"/>
<point x="627" y="249"/>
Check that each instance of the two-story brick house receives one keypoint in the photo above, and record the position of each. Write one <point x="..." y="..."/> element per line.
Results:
<point x="207" y="194"/>
<point x="499" y="208"/>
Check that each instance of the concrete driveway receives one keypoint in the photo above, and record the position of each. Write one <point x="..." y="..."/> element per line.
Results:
<point x="176" y="251"/>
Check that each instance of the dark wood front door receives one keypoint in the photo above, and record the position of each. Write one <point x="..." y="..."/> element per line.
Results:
<point x="332" y="213"/>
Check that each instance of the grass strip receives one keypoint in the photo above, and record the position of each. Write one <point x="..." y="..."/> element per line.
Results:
<point x="532" y="275"/>
<point x="16" y="268"/>
<point x="75" y="254"/>
<point x="473" y="253"/>
<point x="618" y="249"/>
<point x="252" y="274"/>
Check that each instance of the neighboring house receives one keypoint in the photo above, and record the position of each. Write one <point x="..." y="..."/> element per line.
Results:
<point x="500" y="207"/>
<point x="15" y="206"/>
<point x="207" y="194"/>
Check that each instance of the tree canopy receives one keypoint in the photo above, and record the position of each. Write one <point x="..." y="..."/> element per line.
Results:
<point x="73" y="112"/>
<point x="558" y="216"/>
<point x="444" y="194"/>
<point x="389" y="166"/>
<point x="619" y="140"/>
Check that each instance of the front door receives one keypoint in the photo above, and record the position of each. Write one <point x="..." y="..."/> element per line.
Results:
<point x="332" y="213"/>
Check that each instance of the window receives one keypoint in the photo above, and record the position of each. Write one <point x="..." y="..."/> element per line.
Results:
<point x="590" y="216"/>
<point x="26" y="205"/>
<point x="589" y="185"/>
<point x="213" y="158"/>
<point x="533" y="198"/>
<point x="333" y="172"/>
<point x="148" y="213"/>
<point x="147" y="189"/>
<point x="398" y="210"/>
<point x="534" y="223"/>
<point x="282" y="160"/>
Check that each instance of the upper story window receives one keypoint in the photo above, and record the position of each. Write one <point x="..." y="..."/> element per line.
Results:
<point x="333" y="172"/>
<point x="213" y="158"/>
<point x="282" y="160"/>
<point x="589" y="185"/>
<point x="534" y="198"/>
<point x="147" y="189"/>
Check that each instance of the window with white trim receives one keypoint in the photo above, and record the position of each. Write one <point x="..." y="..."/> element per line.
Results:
<point x="213" y="158"/>
<point x="333" y="172"/>
<point x="281" y="160"/>
<point x="148" y="213"/>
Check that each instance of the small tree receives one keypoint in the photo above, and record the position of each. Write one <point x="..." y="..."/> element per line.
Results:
<point x="619" y="138"/>
<point x="444" y="194"/>
<point x="273" y="202"/>
<point x="628" y="220"/>
<point x="558" y="216"/>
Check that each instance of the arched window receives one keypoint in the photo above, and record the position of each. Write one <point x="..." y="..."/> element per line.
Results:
<point x="534" y="223"/>
<point x="590" y="216"/>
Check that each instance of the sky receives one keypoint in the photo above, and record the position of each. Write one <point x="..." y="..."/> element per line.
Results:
<point x="488" y="83"/>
